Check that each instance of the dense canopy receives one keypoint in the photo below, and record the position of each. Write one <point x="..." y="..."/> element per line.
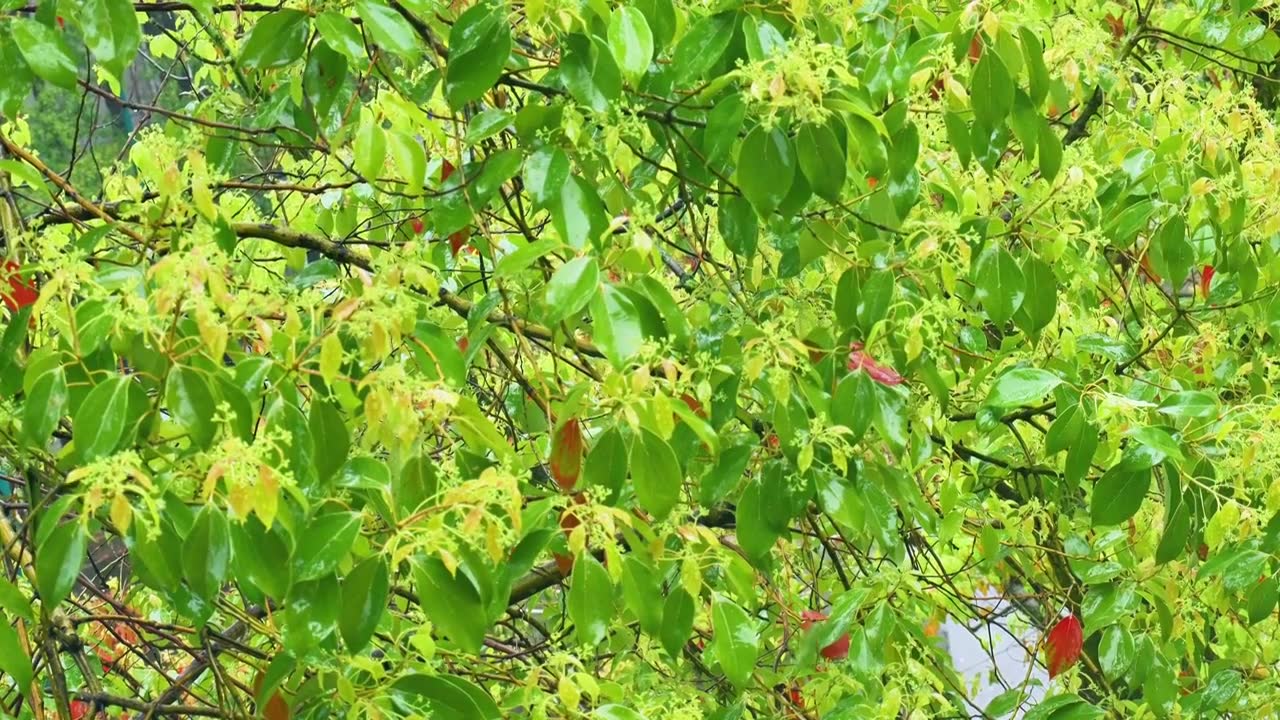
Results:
<point x="638" y="358"/>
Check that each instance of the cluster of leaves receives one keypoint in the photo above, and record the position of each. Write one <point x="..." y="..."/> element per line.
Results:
<point x="654" y="358"/>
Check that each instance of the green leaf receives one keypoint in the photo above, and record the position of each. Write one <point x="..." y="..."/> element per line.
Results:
<point x="737" y="224"/>
<point x="45" y="52"/>
<point x="590" y="599"/>
<point x="725" y="475"/>
<point x="1005" y="703"/>
<point x="756" y="534"/>
<point x="111" y="31"/>
<point x="614" y="711"/>
<point x="364" y="599"/>
<point x="999" y="284"/>
<point x="487" y="124"/>
<point x="311" y="613"/>
<point x="479" y="45"/>
<point x="1221" y="689"/>
<point x="589" y="73"/>
<point x="1022" y="386"/>
<point x="99" y="424"/>
<point x="13" y="601"/>
<point x="656" y="473"/>
<point x="275" y="40"/>
<point x="616" y="325"/>
<point x="1055" y="706"/>
<point x="411" y="161"/>
<point x="46" y="396"/>
<point x="261" y="558"/>
<point x="630" y="41"/>
<point x="330" y="436"/>
<point x="58" y="560"/>
<point x="1038" y="74"/>
<point x="1041" y="302"/>
<point x="1050" y="147"/>
<point x="452" y="603"/>
<point x="341" y="34"/>
<point x="642" y="593"/>
<point x="766" y="167"/>
<point x="700" y="47"/>
<point x="1106" y="604"/>
<point x="1190" y="404"/>
<point x="572" y="285"/>
<point x="1171" y="255"/>
<point x="991" y="90"/>
<point x="370" y="147"/>
<point x="578" y="214"/>
<point x="736" y="641"/>
<point x="606" y="464"/>
<point x="206" y="553"/>
<point x="821" y="159"/>
<point x="389" y="28"/>
<point x="677" y="621"/>
<point x="890" y="418"/>
<point x="324" y="543"/>
<point x="1262" y="600"/>
<point x="1118" y="495"/>
<point x="451" y="696"/>
<point x="13" y="661"/>
<point x="191" y="401"/>
<point x="1116" y="651"/>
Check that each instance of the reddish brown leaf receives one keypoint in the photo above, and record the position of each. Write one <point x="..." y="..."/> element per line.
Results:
<point x="417" y="226"/>
<point x="860" y="360"/>
<point x="446" y="169"/>
<point x="975" y="48"/>
<point x="1116" y="24"/>
<point x="694" y="405"/>
<point x="1206" y="277"/>
<point x="1063" y="645"/>
<point x="566" y="454"/>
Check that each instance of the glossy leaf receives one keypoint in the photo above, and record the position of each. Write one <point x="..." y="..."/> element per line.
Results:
<point x="46" y="53"/>
<point x="479" y="44"/>
<point x="590" y="599"/>
<point x="735" y="639"/>
<point x="324" y="543"/>
<point x="571" y="287"/>
<point x="364" y="600"/>
<point x="58" y="561"/>
<point x="1063" y="645"/>
<point x="766" y="166"/>
<point x="631" y="41"/>
<point x="656" y="474"/>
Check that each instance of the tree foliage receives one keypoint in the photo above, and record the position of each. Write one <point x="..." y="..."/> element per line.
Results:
<point x="645" y="359"/>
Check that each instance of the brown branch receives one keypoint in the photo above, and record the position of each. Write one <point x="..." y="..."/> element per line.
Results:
<point x="102" y="699"/>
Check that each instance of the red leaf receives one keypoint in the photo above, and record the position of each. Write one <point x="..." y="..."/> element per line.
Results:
<point x="22" y="293"/>
<point x="1206" y="277"/>
<point x="417" y="226"/>
<point x="837" y="650"/>
<point x="446" y="169"/>
<point x="566" y="454"/>
<point x="79" y="709"/>
<point x="458" y="239"/>
<point x="859" y="360"/>
<point x="1063" y="645"/>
